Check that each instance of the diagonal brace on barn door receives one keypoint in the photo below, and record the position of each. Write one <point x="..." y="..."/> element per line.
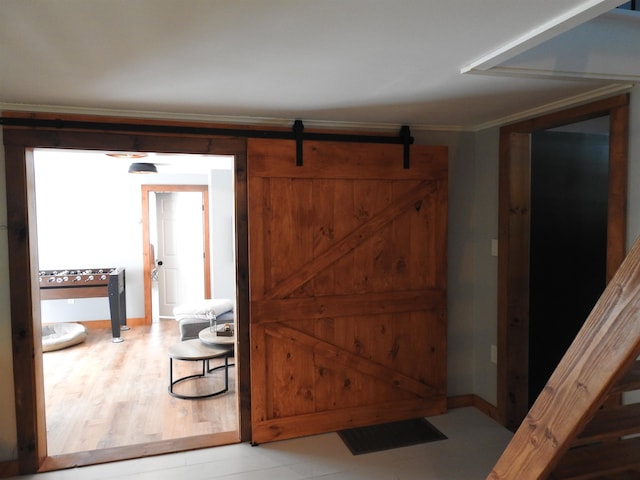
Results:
<point x="339" y="355"/>
<point x="352" y="240"/>
<point x="375" y="303"/>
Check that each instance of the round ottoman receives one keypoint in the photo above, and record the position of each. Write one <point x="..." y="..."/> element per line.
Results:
<point x="56" y="336"/>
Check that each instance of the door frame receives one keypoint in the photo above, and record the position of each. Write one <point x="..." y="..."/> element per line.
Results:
<point x="147" y="254"/>
<point x="19" y="143"/>
<point x="513" y="237"/>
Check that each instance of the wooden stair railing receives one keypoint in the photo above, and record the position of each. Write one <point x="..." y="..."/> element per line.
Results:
<point x="567" y="434"/>
<point x="600" y="450"/>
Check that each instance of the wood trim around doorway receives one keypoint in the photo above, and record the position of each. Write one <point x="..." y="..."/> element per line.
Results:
<point x="513" y="235"/>
<point x="147" y="253"/>
<point x="19" y="143"/>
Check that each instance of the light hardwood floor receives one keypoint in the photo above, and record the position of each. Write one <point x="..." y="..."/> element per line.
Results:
<point x="101" y="394"/>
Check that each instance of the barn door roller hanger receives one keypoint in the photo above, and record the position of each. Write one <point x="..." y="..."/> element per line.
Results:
<point x="404" y="138"/>
<point x="298" y="134"/>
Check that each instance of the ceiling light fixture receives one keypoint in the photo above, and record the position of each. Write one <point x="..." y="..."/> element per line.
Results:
<point x="131" y="155"/>
<point x="142" y="168"/>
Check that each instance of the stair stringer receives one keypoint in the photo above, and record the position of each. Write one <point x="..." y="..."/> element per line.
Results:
<point x="604" y="349"/>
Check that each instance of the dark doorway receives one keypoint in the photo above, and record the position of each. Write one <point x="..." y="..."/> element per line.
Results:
<point x="514" y="260"/>
<point x="568" y="249"/>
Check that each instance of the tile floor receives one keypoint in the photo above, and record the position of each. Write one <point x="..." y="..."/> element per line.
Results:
<point x="473" y="445"/>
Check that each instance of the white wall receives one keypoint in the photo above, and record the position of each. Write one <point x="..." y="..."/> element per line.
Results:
<point x="223" y="264"/>
<point x="90" y="216"/>
<point x="472" y="270"/>
<point x="461" y="256"/>
<point x="485" y="309"/>
<point x="87" y="217"/>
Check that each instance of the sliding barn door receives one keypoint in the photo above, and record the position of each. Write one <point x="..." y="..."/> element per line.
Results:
<point x="347" y="266"/>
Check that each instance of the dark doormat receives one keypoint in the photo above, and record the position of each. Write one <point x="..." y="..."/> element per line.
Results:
<point x="375" y="438"/>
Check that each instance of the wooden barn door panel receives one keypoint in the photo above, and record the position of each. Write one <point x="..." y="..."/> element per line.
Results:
<point x="347" y="286"/>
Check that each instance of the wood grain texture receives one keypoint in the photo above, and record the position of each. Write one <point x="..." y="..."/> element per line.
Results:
<point x="268" y="311"/>
<point x="348" y="285"/>
<point x="605" y="348"/>
<point x="346" y="244"/>
<point x="333" y="354"/>
<point x="516" y="350"/>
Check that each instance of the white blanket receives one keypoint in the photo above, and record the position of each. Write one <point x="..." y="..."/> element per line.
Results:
<point x="200" y="309"/>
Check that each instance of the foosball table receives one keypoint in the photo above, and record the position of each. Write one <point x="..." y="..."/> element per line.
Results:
<point x="89" y="283"/>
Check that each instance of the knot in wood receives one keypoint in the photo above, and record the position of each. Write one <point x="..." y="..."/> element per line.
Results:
<point x="550" y="436"/>
<point x="362" y="213"/>
<point x="327" y="232"/>
<point x="395" y="348"/>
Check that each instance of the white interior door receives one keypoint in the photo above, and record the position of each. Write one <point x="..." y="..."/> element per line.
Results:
<point x="180" y="252"/>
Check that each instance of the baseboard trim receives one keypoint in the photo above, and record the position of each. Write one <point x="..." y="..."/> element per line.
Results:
<point x="472" y="400"/>
<point x="9" y="469"/>
<point x="95" y="324"/>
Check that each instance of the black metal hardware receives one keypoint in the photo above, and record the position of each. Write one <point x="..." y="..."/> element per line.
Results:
<point x="297" y="134"/>
<point x="298" y="130"/>
<point x="407" y="139"/>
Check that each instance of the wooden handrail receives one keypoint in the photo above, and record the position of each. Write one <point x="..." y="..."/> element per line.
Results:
<point x="606" y="346"/>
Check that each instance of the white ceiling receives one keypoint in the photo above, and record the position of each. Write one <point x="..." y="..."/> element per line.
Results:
<point x="355" y="63"/>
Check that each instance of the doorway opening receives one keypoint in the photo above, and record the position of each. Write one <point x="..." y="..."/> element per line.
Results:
<point x="568" y="239"/>
<point x="127" y="402"/>
<point x="177" y="235"/>
<point x="515" y="223"/>
<point x="176" y="247"/>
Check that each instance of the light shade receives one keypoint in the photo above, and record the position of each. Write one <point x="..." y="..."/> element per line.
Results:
<point x="131" y="155"/>
<point x="142" y="168"/>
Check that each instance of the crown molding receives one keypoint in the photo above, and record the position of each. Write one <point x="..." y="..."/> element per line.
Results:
<point x="524" y="72"/>
<point x="145" y="114"/>
<point x="593" y="95"/>
<point x="225" y="119"/>
<point x="205" y="118"/>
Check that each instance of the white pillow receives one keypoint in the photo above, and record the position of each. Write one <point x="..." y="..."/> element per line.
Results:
<point x="217" y="306"/>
